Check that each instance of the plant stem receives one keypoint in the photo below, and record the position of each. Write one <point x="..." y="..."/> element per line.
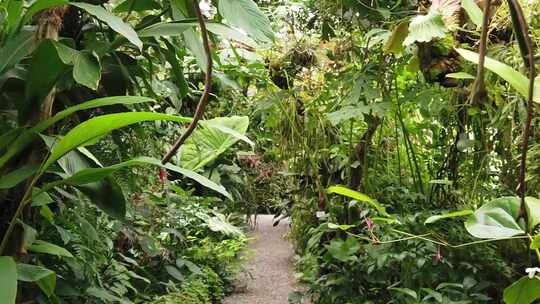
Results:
<point x="201" y="106"/>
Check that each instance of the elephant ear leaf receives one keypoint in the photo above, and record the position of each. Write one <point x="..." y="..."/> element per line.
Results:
<point x="213" y="138"/>
<point x="496" y="219"/>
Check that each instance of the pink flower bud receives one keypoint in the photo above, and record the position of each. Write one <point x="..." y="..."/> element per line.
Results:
<point x="162" y="175"/>
<point x="370" y="224"/>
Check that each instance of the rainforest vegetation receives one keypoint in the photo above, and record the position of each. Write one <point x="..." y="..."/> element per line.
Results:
<point x="139" y="137"/>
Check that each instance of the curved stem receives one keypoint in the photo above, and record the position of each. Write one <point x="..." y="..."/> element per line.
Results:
<point x="201" y="106"/>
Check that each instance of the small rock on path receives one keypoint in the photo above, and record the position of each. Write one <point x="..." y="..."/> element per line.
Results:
<point x="269" y="276"/>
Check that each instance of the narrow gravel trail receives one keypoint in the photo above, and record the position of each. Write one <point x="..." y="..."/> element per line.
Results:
<point x="269" y="274"/>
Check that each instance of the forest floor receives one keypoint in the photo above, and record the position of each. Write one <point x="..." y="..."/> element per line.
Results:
<point x="268" y="275"/>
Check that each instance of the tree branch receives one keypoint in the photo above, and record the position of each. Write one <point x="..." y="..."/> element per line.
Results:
<point x="201" y="106"/>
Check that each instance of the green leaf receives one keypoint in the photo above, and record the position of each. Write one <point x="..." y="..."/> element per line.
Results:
<point x="344" y="251"/>
<point x="40" y="84"/>
<point x="87" y="70"/>
<point x="92" y="175"/>
<point x="517" y="80"/>
<point x="17" y="176"/>
<point x="340" y="227"/>
<point x="103" y="192"/>
<point x="394" y="44"/>
<point x="424" y="28"/>
<point x="45" y="278"/>
<point x="212" y="138"/>
<point x="435" y="218"/>
<point x="460" y="75"/>
<point x="473" y="11"/>
<point x="230" y="33"/>
<point x="533" y="212"/>
<point x="496" y="219"/>
<point x="28" y="136"/>
<point x="136" y="6"/>
<point x="246" y="15"/>
<point x="15" y="49"/>
<point x="176" y="28"/>
<point x="48" y="248"/>
<point x="104" y="295"/>
<point x="535" y="244"/>
<point x="219" y="223"/>
<point x="195" y="45"/>
<point x="177" y="69"/>
<point x="29" y="236"/>
<point x="174" y="272"/>
<point x="406" y="291"/>
<point x="99" y="126"/>
<point x="341" y="190"/>
<point x="8" y="280"/>
<point x="114" y="22"/>
<point x="524" y="291"/>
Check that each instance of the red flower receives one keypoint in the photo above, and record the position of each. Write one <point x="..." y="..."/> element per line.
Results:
<point x="162" y="175"/>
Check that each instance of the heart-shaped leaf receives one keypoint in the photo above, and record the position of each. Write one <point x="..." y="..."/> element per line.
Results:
<point x="496" y="219"/>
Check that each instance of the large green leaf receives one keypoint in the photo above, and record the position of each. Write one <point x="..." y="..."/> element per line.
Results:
<point x="104" y="192"/>
<point x="16" y="49"/>
<point x="246" y="15"/>
<point x="136" y="6"/>
<point x="15" y="177"/>
<point x="8" y="280"/>
<point x="28" y="136"/>
<point x="161" y="29"/>
<point x="114" y="22"/>
<point x="424" y="28"/>
<point x="344" y="250"/>
<point x="524" y="291"/>
<point x="533" y="212"/>
<point x="40" y="84"/>
<point x="341" y="190"/>
<point x="195" y="45"/>
<point x="93" y="175"/>
<point x="43" y="277"/>
<point x="48" y="248"/>
<point x="435" y="218"/>
<point x="177" y="28"/>
<point x="474" y="12"/>
<point x="99" y="126"/>
<point x="496" y="219"/>
<point x="517" y="80"/>
<point x="211" y="139"/>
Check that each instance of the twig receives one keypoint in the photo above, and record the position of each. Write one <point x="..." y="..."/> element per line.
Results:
<point x="201" y="106"/>
<point x="479" y="90"/>
<point x="529" y="60"/>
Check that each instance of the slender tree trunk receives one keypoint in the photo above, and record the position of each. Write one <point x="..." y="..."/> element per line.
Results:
<point x="361" y="151"/>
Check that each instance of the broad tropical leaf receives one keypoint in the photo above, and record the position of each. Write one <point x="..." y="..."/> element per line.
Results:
<point x="246" y="15"/>
<point x="114" y="22"/>
<point x="525" y="291"/>
<point x="435" y="218"/>
<point x="341" y="190"/>
<point x="496" y="219"/>
<point x="211" y="139"/>
<point x="16" y="49"/>
<point x="8" y="280"/>
<point x="28" y="136"/>
<point x="43" y="277"/>
<point x="93" y="175"/>
<point x="99" y="126"/>
<point x="48" y="248"/>
<point x="517" y="80"/>
<point x="424" y="28"/>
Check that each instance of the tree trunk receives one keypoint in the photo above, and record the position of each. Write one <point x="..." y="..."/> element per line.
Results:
<point x="361" y="150"/>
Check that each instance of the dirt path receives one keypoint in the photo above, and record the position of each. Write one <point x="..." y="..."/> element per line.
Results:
<point x="270" y="266"/>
